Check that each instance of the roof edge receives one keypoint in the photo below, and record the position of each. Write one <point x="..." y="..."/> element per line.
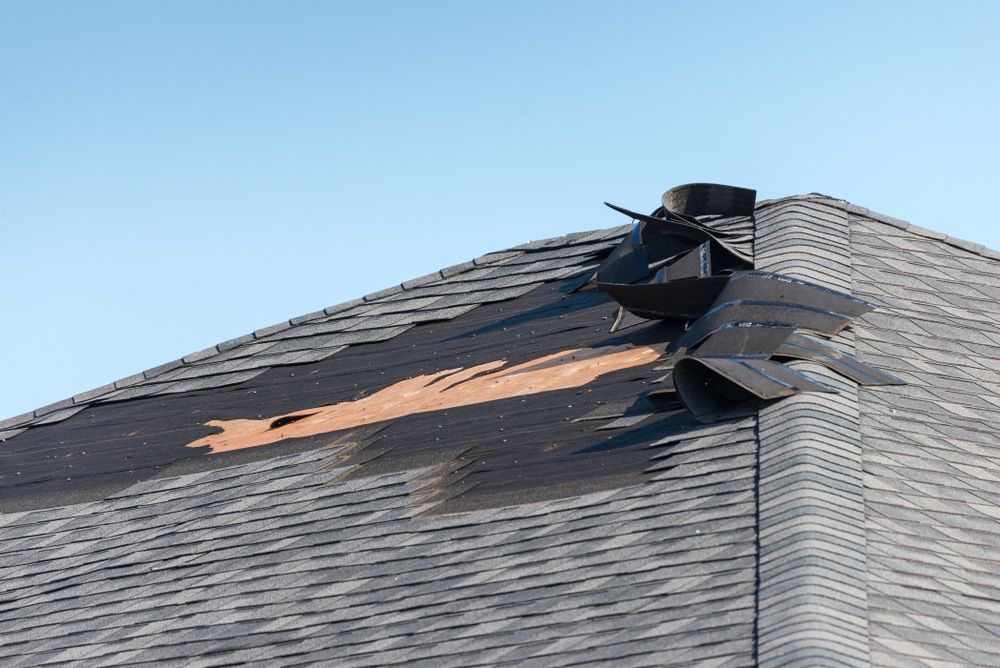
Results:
<point x="129" y="387"/>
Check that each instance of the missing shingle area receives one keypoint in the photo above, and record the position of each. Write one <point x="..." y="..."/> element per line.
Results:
<point x="145" y="437"/>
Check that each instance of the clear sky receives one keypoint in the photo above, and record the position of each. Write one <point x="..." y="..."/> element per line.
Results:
<point x="175" y="174"/>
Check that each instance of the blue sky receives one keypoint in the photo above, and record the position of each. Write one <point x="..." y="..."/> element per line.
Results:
<point x="177" y="174"/>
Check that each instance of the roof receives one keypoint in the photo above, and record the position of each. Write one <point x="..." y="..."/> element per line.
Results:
<point x="464" y="470"/>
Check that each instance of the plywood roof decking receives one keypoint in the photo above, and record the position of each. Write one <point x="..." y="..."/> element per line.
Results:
<point x="850" y="529"/>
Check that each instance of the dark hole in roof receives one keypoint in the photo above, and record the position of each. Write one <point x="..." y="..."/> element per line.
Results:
<point x="289" y="419"/>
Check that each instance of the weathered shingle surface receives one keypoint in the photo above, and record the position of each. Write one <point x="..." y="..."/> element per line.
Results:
<point x="273" y="563"/>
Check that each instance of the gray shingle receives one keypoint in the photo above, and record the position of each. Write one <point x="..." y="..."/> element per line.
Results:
<point x="382" y="294"/>
<point x="207" y="382"/>
<point x="315" y="315"/>
<point x="493" y="258"/>
<point x="345" y="306"/>
<point x="17" y="420"/>
<point x="423" y="280"/>
<point x="56" y="416"/>
<point x="260" y="569"/>
<point x="448" y="272"/>
<point x="274" y="329"/>
<point x="233" y="343"/>
<point x="162" y="369"/>
<point x="201" y="355"/>
<point x="129" y="381"/>
<point x="914" y="537"/>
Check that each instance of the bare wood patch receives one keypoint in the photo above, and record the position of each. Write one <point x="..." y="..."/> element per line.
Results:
<point x="451" y="388"/>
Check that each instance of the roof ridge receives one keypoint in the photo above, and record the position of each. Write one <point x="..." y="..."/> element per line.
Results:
<point x="810" y="485"/>
<point x="963" y="244"/>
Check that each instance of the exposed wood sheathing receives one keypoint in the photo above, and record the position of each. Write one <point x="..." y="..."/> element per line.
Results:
<point x="442" y="390"/>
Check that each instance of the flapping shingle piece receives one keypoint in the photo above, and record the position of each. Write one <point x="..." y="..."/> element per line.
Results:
<point x="695" y="263"/>
<point x="712" y="387"/>
<point x="740" y="318"/>
<point x="704" y="199"/>
<point x="798" y="346"/>
<point x="686" y="299"/>
<point x="627" y="262"/>
<point x="669" y="234"/>
<point x="727" y="354"/>
<point x="663" y="238"/>
<point x="760" y="297"/>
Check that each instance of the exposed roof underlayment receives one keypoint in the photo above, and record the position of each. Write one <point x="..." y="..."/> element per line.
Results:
<point x="544" y="513"/>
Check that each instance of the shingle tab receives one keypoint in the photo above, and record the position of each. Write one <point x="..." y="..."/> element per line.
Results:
<point x="493" y="258"/>
<point x="345" y="306"/>
<point x="97" y="392"/>
<point x="49" y="417"/>
<point x="201" y="355"/>
<point x="381" y="294"/>
<point x="233" y="343"/>
<point x="453" y="270"/>
<point x="162" y="369"/>
<point x="423" y="280"/>
<point x="274" y="329"/>
<point x="129" y="380"/>
<point x="315" y="315"/>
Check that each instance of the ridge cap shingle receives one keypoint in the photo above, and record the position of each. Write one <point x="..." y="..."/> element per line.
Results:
<point x="972" y="247"/>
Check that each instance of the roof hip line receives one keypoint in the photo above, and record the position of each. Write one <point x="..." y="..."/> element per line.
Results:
<point x="812" y="600"/>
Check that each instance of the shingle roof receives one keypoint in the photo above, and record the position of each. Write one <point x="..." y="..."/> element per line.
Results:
<point x="560" y="527"/>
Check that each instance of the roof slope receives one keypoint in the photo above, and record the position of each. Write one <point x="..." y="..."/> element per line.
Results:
<point x="271" y="562"/>
<point x="931" y="462"/>
<point x="192" y="515"/>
